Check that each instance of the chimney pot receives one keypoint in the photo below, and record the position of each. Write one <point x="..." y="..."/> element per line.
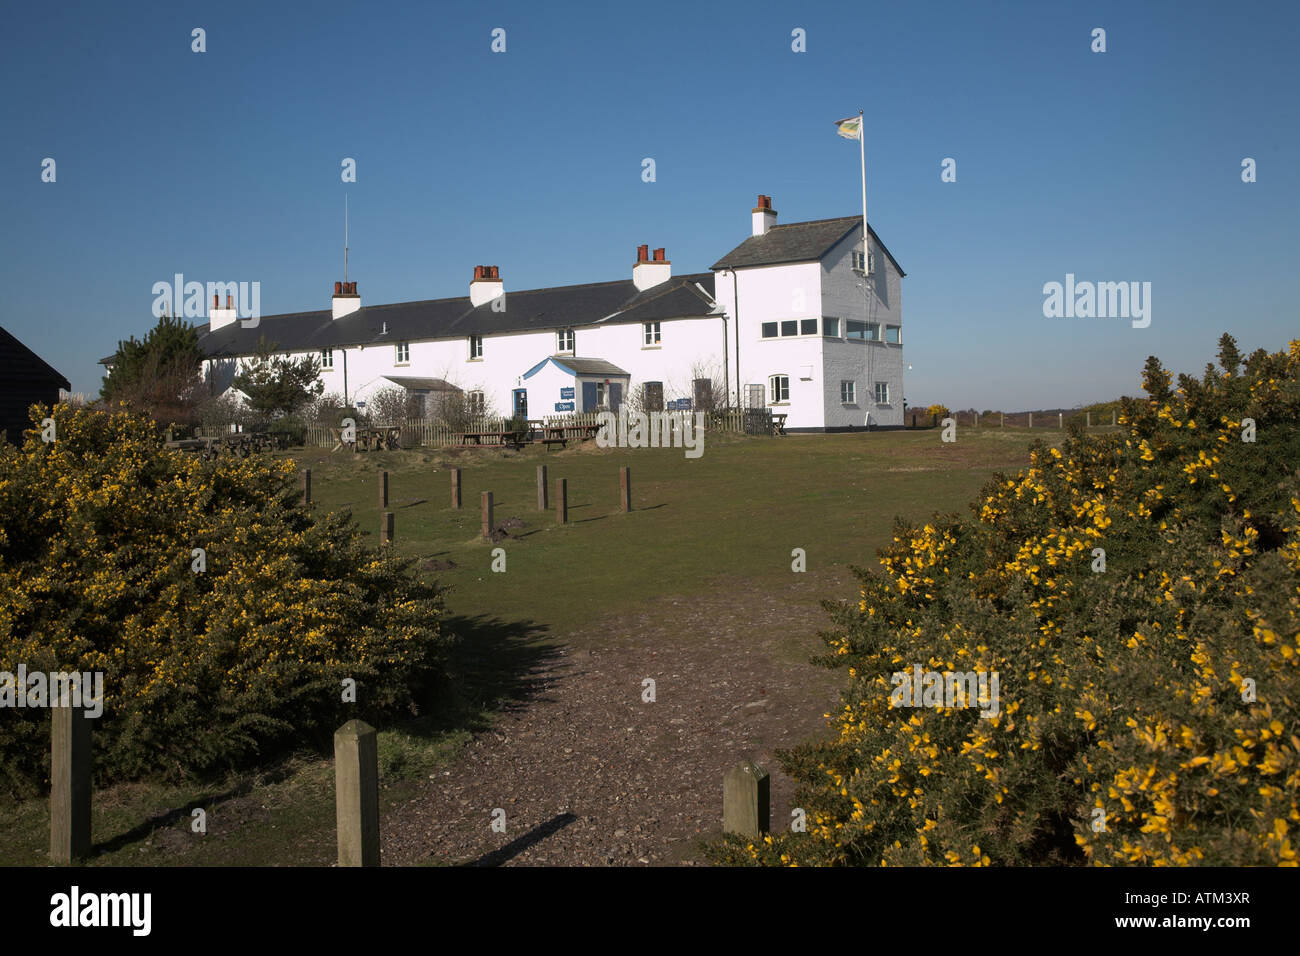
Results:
<point x="215" y="300"/>
<point x="659" y="255"/>
<point x="643" y="253"/>
<point x="338" y="288"/>
<point x="230" y="303"/>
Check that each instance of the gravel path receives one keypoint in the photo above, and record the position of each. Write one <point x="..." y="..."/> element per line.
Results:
<point x="590" y="774"/>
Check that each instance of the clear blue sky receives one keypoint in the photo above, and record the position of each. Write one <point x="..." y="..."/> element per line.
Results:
<point x="225" y="165"/>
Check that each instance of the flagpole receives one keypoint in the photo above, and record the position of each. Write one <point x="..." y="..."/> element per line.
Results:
<point x="862" y="150"/>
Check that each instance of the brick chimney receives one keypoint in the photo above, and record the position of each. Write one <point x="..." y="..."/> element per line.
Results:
<point x="218" y="317"/>
<point x="650" y="272"/>
<point x="486" y="285"/>
<point x="345" y="300"/>
<point x="764" y="216"/>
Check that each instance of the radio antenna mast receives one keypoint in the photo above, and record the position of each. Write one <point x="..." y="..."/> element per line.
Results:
<point x="345" y="237"/>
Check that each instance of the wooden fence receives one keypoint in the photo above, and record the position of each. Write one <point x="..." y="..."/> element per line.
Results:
<point x="428" y="433"/>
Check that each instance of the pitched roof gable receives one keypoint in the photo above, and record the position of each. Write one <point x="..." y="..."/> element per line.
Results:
<point x="797" y="242"/>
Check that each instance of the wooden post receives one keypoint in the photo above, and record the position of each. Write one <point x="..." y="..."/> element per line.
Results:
<point x="1088" y="416"/>
<point x="977" y="419"/>
<point x="306" y="486"/>
<point x="487" y="514"/>
<point x="746" y="800"/>
<point x="69" y="782"/>
<point x="455" y="487"/>
<point x="625" y="489"/>
<point x="562" y="501"/>
<point x="1114" y="417"/>
<point x="1003" y="422"/>
<point x="1031" y="419"/>
<point x="542" y="503"/>
<point x="356" y="793"/>
<point x="383" y="489"/>
<point x="386" y="528"/>
<point x="1060" y="419"/>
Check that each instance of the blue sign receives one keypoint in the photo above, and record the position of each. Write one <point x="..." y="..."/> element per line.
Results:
<point x="566" y="393"/>
<point x="564" y="406"/>
<point x="679" y="405"/>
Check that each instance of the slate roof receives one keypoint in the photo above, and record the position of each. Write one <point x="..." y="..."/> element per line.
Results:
<point x="797" y="242"/>
<point x="581" y="366"/>
<point x="572" y="306"/>
<point x="18" y="363"/>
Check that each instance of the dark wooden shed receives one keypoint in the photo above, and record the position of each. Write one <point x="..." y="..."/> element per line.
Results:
<point x="25" y="379"/>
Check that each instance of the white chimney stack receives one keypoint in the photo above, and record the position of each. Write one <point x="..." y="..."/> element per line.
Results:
<point x="219" y="318"/>
<point x="486" y="285"/>
<point x="764" y="216"/>
<point x="648" y="272"/>
<point x="345" y="300"/>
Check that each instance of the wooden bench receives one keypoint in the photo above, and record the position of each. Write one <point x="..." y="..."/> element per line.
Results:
<point x="510" y="439"/>
<point x="778" y="425"/>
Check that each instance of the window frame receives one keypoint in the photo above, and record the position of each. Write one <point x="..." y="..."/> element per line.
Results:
<point x="475" y="348"/>
<point x="876" y="393"/>
<point x="774" y="391"/>
<point x="560" y="337"/>
<point x="651" y="330"/>
<point x="898" y="334"/>
<point x="398" y="357"/>
<point x="851" y="398"/>
<point x="327" y="360"/>
<point x="836" y="333"/>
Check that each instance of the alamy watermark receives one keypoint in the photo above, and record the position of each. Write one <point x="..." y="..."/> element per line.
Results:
<point x="54" y="689"/>
<point x="189" y="299"/>
<point x="921" y="688"/>
<point x="652" y="430"/>
<point x="1098" y="300"/>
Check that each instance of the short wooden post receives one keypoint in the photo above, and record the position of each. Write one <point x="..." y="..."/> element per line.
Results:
<point x="1114" y="417"/>
<point x="1003" y="422"/>
<point x="1031" y="419"/>
<point x="977" y="419"/>
<point x="386" y="528"/>
<point x="625" y="489"/>
<point x="69" y="783"/>
<point x="1060" y="419"/>
<point x="562" y="501"/>
<point x="306" y="486"/>
<point x="383" y="489"/>
<point x="487" y="514"/>
<point x="455" y="487"/>
<point x="746" y="800"/>
<point x="356" y="793"/>
<point x="1088" y="419"/>
<point x="542" y="503"/>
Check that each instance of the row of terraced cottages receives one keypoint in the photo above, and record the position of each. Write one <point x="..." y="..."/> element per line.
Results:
<point x="795" y="318"/>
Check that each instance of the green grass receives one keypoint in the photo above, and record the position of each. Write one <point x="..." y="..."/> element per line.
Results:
<point x="726" y="520"/>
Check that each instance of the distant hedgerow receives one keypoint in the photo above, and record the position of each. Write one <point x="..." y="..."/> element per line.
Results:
<point x="1148" y="696"/>
<point x="202" y="670"/>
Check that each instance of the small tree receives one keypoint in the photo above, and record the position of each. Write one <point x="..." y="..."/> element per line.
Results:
<point x="278" y="386"/>
<point x="391" y="406"/>
<point x="158" y="375"/>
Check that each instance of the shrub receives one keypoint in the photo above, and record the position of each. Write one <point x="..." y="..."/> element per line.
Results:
<point x="939" y="410"/>
<point x="1147" y="711"/>
<point x="202" y="671"/>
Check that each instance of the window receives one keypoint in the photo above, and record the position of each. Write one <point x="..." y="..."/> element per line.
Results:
<point x="778" y="389"/>
<point x="864" y="264"/>
<point x="882" y="393"/>
<point x="564" y="340"/>
<point x="830" y="327"/>
<point x="475" y="347"/>
<point x="788" y="328"/>
<point x="703" y="393"/>
<point x="867" y="331"/>
<point x="891" y="334"/>
<point x="654" y="396"/>
<point x="600" y="395"/>
<point x="326" y="358"/>
<point x="475" y="403"/>
<point x="403" y="352"/>
<point x="650" y="334"/>
<point x="848" y="393"/>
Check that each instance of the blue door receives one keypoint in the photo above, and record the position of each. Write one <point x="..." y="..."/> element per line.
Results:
<point x="521" y="403"/>
<point x="589" y="400"/>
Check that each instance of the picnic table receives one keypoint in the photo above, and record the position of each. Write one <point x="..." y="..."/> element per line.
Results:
<point x="562" y="434"/>
<point x="242" y="444"/>
<point x="369" y="438"/>
<point x="778" y="424"/>
<point x="513" y="439"/>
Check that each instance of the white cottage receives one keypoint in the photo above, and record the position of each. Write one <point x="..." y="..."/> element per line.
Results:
<point x="795" y="318"/>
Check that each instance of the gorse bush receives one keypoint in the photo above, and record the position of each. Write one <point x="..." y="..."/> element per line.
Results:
<point x="201" y="670"/>
<point x="1147" y="711"/>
